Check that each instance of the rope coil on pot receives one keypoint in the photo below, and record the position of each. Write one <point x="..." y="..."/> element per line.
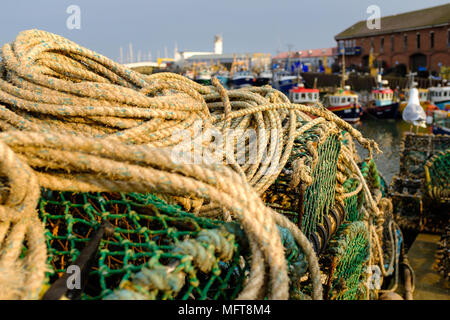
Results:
<point x="84" y="123"/>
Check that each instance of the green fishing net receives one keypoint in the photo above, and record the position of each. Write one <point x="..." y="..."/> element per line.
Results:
<point x="353" y="203"/>
<point x="437" y="174"/>
<point x="149" y="238"/>
<point x="305" y="208"/>
<point x="347" y="255"/>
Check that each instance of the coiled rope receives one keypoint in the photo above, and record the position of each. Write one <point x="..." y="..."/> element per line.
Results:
<point x="73" y="120"/>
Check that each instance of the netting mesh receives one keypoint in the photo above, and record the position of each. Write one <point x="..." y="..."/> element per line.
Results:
<point x="149" y="236"/>
<point x="352" y="203"/>
<point x="348" y="253"/>
<point x="412" y="198"/>
<point x="437" y="176"/>
<point x="305" y="206"/>
<point x="320" y="196"/>
<point x="417" y="149"/>
<point x="146" y="230"/>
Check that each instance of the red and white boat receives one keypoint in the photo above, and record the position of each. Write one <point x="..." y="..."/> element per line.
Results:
<point x="299" y="94"/>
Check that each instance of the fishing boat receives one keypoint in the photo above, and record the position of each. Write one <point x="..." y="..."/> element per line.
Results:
<point x="440" y="96"/>
<point x="203" y="77"/>
<point x="302" y="95"/>
<point x="285" y="81"/>
<point x="441" y="122"/>
<point x="243" y="78"/>
<point x="381" y="104"/>
<point x="189" y="74"/>
<point x="343" y="101"/>
<point x="263" y="78"/>
<point x="224" y="77"/>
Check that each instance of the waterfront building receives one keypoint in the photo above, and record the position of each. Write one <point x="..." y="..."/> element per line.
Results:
<point x="418" y="41"/>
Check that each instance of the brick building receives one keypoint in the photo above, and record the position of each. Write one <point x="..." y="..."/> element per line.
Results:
<point x="412" y="41"/>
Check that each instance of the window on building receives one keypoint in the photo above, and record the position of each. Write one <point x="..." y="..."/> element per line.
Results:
<point x="392" y="43"/>
<point x="448" y="38"/>
<point x="431" y="39"/>
<point x="418" y="40"/>
<point x="371" y="43"/>
<point x="405" y="42"/>
<point x="381" y="44"/>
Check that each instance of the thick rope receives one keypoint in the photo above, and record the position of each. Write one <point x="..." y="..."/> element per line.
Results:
<point x="85" y="123"/>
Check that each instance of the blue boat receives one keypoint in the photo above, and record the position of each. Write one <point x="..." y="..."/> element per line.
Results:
<point x="242" y="79"/>
<point x="285" y="81"/>
<point x="264" y="78"/>
<point x="223" y="77"/>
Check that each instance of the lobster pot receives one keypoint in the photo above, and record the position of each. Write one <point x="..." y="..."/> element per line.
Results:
<point x="415" y="190"/>
<point x="353" y="203"/>
<point x="443" y="254"/>
<point x="309" y="189"/>
<point x="346" y="262"/>
<point x="304" y="201"/>
<point x="417" y="149"/>
<point x="154" y="246"/>
<point x="147" y="234"/>
<point x="437" y="177"/>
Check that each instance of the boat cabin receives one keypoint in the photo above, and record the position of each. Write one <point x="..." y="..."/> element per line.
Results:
<point x="382" y="97"/>
<point x="438" y="94"/>
<point x="302" y="95"/>
<point x="343" y="98"/>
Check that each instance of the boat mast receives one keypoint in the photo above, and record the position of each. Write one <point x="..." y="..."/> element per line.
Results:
<point x="411" y="78"/>
<point x="343" y="69"/>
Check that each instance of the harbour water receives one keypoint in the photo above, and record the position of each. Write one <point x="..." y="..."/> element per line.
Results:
<point x="388" y="134"/>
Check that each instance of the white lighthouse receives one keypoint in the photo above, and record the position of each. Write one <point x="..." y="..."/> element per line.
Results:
<point x="218" y="44"/>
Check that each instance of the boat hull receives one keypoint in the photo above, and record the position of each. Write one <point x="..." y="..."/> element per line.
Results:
<point x="262" y="81"/>
<point x="242" y="82"/>
<point x="389" y="111"/>
<point x="347" y="113"/>
<point x="204" y="82"/>
<point x="440" y="130"/>
<point x="285" y="86"/>
<point x="443" y="105"/>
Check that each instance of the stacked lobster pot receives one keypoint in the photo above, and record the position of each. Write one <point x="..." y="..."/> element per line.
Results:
<point x="96" y="173"/>
<point x="416" y="208"/>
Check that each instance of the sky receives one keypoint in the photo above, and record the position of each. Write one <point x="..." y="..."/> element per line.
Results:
<point x="155" y="26"/>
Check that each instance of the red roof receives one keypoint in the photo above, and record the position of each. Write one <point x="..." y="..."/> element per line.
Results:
<point x="308" y="53"/>
<point x="382" y="91"/>
<point x="301" y="89"/>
